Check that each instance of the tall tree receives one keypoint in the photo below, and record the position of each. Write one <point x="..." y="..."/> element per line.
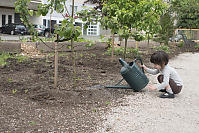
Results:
<point x="150" y="22"/>
<point x="167" y="27"/>
<point x="187" y="13"/>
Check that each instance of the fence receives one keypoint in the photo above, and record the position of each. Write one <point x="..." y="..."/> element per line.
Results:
<point x="191" y="34"/>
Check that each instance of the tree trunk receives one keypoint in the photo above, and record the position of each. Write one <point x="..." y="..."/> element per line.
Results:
<point x="56" y="65"/>
<point x="50" y="27"/>
<point x="148" y="42"/>
<point x="73" y="61"/>
<point x="112" y="54"/>
<point x="125" y="48"/>
<point x="72" y="49"/>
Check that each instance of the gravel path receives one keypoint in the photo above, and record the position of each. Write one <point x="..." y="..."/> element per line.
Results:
<point x="145" y="112"/>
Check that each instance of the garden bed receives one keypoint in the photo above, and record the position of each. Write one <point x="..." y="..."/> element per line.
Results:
<point x="30" y="103"/>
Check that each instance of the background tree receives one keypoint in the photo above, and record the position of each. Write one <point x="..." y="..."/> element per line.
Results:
<point x="99" y="3"/>
<point x="125" y="17"/>
<point x="166" y="28"/>
<point x="187" y="13"/>
<point x="150" y="22"/>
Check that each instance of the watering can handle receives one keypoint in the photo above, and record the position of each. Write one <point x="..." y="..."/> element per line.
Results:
<point x="140" y="62"/>
<point x="124" y="63"/>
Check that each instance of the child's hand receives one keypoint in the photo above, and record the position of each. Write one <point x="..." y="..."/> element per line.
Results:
<point x="143" y="66"/>
<point x="151" y="87"/>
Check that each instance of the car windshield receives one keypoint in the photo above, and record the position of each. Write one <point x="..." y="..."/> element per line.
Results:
<point x="39" y="26"/>
<point x="42" y="26"/>
<point x="20" y="26"/>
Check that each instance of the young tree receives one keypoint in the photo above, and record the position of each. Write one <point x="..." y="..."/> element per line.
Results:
<point x="167" y="27"/>
<point x="151" y="19"/>
<point x="66" y="31"/>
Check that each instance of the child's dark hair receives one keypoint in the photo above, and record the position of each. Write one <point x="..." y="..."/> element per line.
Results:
<point x="160" y="57"/>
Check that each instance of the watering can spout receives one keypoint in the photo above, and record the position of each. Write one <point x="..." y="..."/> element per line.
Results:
<point x="123" y="63"/>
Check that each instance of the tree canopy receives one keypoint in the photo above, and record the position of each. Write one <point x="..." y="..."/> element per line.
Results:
<point x="187" y="13"/>
<point x="128" y="17"/>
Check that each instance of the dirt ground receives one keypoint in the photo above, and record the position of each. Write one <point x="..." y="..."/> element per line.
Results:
<point x="29" y="102"/>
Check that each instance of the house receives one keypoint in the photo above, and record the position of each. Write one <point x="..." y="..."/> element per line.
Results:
<point x="56" y="18"/>
<point x="8" y="15"/>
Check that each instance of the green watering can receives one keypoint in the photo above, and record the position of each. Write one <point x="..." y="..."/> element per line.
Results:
<point x="133" y="75"/>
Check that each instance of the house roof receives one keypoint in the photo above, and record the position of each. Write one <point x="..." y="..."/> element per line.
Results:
<point x="10" y="4"/>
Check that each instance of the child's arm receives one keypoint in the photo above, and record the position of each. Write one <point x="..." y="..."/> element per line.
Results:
<point x="151" y="71"/>
<point x="165" y="82"/>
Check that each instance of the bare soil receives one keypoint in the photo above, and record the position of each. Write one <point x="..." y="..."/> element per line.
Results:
<point x="30" y="103"/>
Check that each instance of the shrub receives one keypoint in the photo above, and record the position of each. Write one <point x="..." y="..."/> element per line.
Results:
<point x="181" y="44"/>
<point x="164" y="48"/>
<point x="90" y="44"/>
<point x="120" y="51"/>
<point x="81" y="39"/>
<point x="3" y="58"/>
<point x="197" y="46"/>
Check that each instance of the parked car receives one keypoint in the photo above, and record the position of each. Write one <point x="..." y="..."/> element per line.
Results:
<point x="177" y="38"/>
<point x="47" y="32"/>
<point x="40" y="29"/>
<point x="13" y="29"/>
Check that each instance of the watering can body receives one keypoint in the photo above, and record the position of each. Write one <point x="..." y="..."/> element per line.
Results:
<point x="133" y="75"/>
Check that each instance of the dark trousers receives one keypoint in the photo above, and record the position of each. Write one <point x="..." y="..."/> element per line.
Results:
<point x="176" y="89"/>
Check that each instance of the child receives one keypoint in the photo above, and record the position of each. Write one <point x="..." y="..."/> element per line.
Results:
<point x="170" y="81"/>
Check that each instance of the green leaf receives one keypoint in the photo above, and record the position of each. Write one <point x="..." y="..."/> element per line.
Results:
<point x="30" y="12"/>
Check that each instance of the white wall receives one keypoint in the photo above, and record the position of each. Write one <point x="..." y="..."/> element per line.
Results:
<point x="7" y="8"/>
<point x="36" y="20"/>
<point x="59" y="17"/>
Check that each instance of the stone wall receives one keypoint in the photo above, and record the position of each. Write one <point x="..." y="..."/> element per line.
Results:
<point x="15" y="47"/>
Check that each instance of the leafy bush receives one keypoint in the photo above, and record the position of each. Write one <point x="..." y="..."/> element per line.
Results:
<point x="197" y="46"/>
<point x="117" y="51"/>
<point x="90" y="44"/>
<point x="164" y="48"/>
<point x="120" y="51"/>
<point x="181" y="44"/>
<point x="3" y="58"/>
<point x="81" y="39"/>
<point x="102" y="38"/>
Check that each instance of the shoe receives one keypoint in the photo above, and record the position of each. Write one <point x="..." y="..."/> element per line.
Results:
<point x="167" y="95"/>
<point x="163" y="90"/>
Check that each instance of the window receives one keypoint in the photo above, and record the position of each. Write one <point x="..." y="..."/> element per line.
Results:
<point x="3" y="19"/>
<point x="44" y="22"/>
<point x="9" y="19"/>
<point x="92" y="29"/>
<point x="51" y="23"/>
<point x="48" y="24"/>
<point x="17" y="18"/>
